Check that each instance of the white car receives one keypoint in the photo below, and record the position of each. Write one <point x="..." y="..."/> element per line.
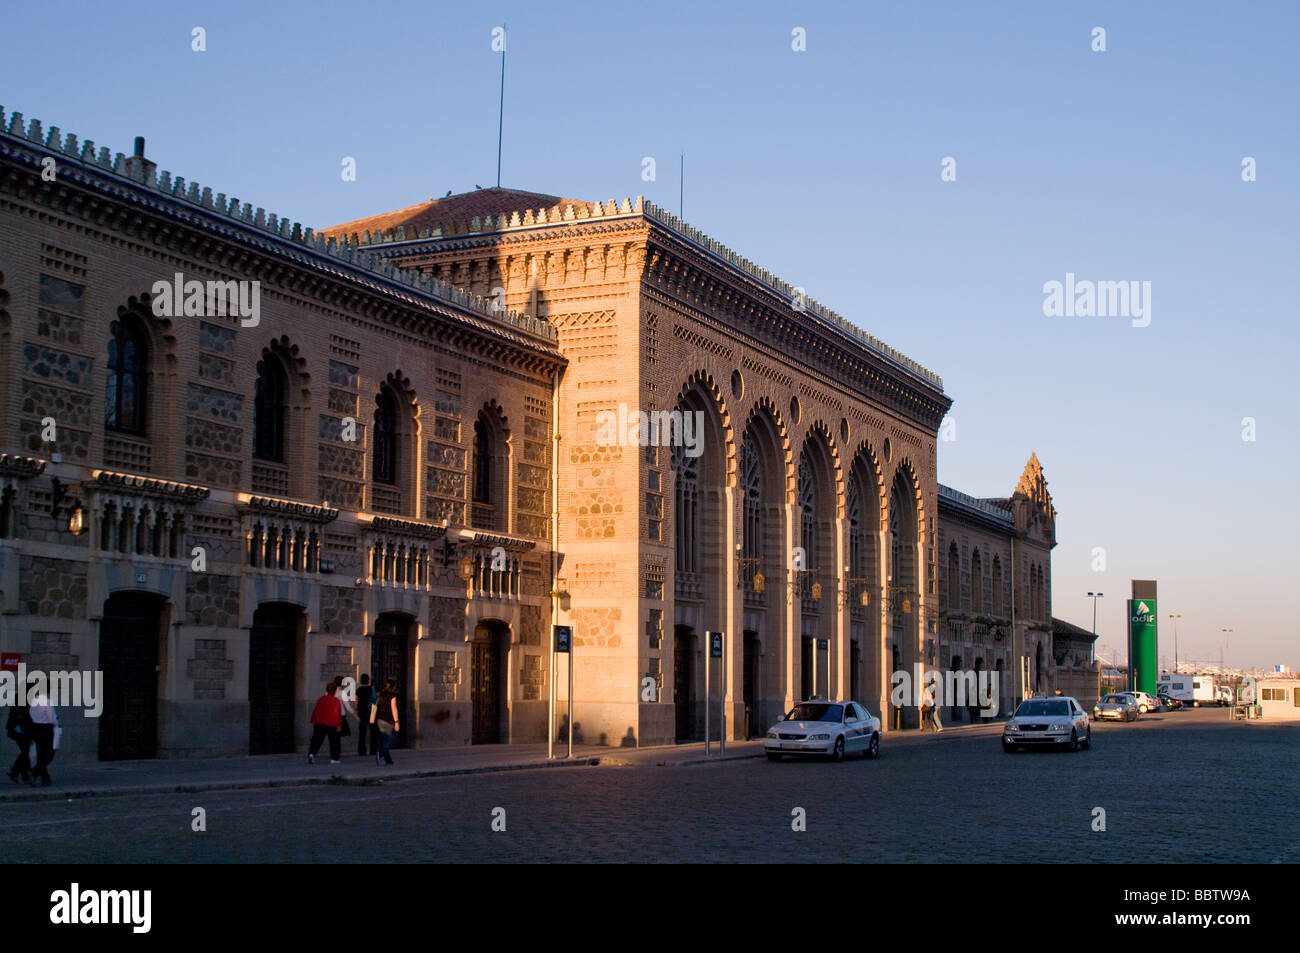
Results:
<point x="1058" y="722"/>
<point x="1145" y="702"/>
<point x="827" y="728"/>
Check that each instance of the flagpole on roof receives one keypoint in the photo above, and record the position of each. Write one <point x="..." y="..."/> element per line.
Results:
<point x="501" y="109"/>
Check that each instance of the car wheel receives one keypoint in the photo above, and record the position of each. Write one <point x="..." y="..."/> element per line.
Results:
<point x="1086" y="743"/>
<point x="772" y="756"/>
<point x="838" y="753"/>
<point x="1074" y="740"/>
<point x="873" y="749"/>
<point x="1009" y="749"/>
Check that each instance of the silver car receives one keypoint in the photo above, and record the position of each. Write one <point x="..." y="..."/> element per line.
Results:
<point x="824" y="728"/>
<point x="1056" y="722"/>
<point x="1118" y="705"/>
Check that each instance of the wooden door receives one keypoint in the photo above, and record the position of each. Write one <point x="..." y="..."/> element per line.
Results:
<point x="485" y="690"/>
<point x="128" y="657"/>
<point x="272" y="654"/>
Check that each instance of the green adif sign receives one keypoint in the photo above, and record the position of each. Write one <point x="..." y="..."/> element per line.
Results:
<point x="1142" y="645"/>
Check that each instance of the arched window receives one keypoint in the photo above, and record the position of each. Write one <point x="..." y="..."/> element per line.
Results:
<point x="807" y="513"/>
<point x="482" y="463"/>
<point x="688" y="510"/>
<point x="384" y="463"/>
<point x="751" y="480"/>
<point x="854" y="509"/>
<point x="954" y="578"/>
<point x="976" y="582"/>
<point x="270" y="398"/>
<point x="124" y="390"/>
<point x="997" y="586"/>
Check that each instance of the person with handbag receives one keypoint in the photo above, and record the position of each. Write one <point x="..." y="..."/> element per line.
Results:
<point x="384" y="715"/>
<point x="326" y="719"/>
<point x="18" y="726"/>
<point x="45" y="731"/>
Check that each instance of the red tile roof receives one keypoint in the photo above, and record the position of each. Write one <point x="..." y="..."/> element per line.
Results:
<point x="453" y="208"/>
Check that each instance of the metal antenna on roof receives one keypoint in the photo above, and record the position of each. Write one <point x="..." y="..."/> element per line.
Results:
<point x="501" y="109"/>
<point x="681" y="189"/>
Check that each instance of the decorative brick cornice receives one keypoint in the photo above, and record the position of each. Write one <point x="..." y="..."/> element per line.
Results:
<point x="387" y="524"/>
<point x="511" y="544"/>
<point x="147" y="486"/>
<point x="12" y="465"/>
<point x="272" y="506"/>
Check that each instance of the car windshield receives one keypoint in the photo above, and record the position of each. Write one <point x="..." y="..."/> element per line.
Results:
<point x="816" y="711"/>
<point x="1039" y="708"/>
<point x="1114" y="700"/>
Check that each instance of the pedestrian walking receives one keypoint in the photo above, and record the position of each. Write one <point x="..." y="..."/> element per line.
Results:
<point x="18" y="726"/>
<point x="325" y="720"/>
<point x="386" y="720"/>
<point x="45" y="735"/>
<point x="345" y="704"/>
<point x="365" y="727"/>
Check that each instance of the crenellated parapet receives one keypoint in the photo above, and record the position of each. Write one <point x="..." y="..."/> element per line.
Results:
<point x="83" y="154"/>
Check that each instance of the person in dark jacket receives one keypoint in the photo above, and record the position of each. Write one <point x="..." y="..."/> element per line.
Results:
<point x="18" y="726"/>
<point x="386" y="720"/>
<point x="366" y="729"/>
<point x="326" y="718"/>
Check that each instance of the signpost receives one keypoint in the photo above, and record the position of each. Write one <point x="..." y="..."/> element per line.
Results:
<point x="715" y="652"/>
<point x="563" y="644"/>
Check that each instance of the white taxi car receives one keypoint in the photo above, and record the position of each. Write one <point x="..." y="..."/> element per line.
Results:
<point x="833" y="729"/>
<point x="1059" y="722"/>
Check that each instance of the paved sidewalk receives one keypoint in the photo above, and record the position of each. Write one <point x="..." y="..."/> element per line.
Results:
<point x="164" y="776"/>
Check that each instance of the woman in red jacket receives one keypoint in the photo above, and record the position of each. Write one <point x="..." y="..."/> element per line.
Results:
<point x="326" y="718"/>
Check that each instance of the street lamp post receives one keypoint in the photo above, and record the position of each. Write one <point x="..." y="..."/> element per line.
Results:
<point x="1094" y="596"/>
<point x="1175" y="618"/>
<point x="1228" y="651"/>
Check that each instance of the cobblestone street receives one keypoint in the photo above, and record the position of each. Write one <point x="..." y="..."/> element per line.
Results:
<point x="1178" y="787"/>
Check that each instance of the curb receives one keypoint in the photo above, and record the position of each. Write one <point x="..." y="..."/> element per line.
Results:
<point x="51" y="794"/>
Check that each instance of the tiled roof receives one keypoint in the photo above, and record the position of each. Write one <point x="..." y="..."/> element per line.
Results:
<point x="1078" y="632"/>
<point x="985" y="508"/>
<point x="480" y="204"/>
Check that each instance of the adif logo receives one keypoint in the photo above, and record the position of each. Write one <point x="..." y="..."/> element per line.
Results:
<point x="1100" y="299"/>
<point x="659" y="428"/>
<point x="199" y="299"/>
<point x="103" y="907"/>
<point x="1142" y="612"/>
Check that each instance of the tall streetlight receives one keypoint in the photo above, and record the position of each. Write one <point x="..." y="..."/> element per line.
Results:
<point x="1175" y="618"/>
<point x="1094" y="596"/>
<point x="1228" y="651"/>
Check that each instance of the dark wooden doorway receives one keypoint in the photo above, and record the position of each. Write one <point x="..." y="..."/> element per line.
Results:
<point x="750" y="687"/>
<point x="272" y="657"/>
<point x="390" y="655"/>
<point x="806" y="684"/>
<point x="855" y="672"/>
<point x="129" y="633"/>
<point x="683" y="681"/>
<point x="487" y="682"/>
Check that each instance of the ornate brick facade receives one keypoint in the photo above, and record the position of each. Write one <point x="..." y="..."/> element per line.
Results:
<point x="403" y="464"/>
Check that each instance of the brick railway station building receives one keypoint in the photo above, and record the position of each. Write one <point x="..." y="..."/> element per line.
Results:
<point x="399" y="466"/>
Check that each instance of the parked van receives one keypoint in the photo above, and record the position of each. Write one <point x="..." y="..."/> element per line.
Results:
<point x="1194" y="690"/>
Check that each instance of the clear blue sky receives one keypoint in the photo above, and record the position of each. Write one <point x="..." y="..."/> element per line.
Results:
<point x="823" y="166"/>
